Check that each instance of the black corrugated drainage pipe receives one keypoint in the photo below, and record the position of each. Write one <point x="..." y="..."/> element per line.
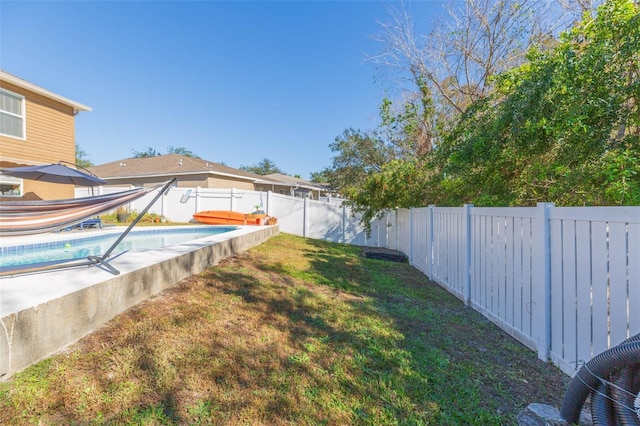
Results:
<point x="612" y="378"/>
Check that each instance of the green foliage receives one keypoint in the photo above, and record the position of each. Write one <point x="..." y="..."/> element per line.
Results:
<point x="264" y="167"/>
<point x="398" y="184"/>
<point x="563" y="127"/>
<point x="82" y="159"/>
<point x="407" y="128"/>
<point x="148" y="152"/>
<point x="384" y="170"/>
<point x="152" y="152"/>
<point x="147" y="219"/>
<point x="322" y="176"/>
<point x="621" y="171"/>
<point x="182" y="151"/>
<point x="359" y="154"/>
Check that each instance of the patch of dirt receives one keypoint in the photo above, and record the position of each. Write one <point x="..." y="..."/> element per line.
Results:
<point x="384" y="254"/>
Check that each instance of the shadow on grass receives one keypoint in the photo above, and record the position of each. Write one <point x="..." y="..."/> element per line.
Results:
<point x="414" y="349"/>
<point x="475" y="373"/>
<point x="325" y="336"/>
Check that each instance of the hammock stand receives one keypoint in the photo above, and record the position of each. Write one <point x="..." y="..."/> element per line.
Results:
<point x="90" y="260"/>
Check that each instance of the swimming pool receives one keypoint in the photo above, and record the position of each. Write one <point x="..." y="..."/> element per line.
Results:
<point x="73" y="246"/>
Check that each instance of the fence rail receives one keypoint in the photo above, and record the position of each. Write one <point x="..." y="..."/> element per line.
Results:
<point x="327" y="219"/>
<point x="564" y="281"/>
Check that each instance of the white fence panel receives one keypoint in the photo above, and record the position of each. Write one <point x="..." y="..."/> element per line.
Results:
<point x="448" y="248"/>
<point x="213" y="199"/>
<point x="525" y="323"/>
<point x="420" y="248"/>
<point x="501" y="284"/>
<point x="354" y="231"/>
<point x="598" y="288"/>
<point x="249" y="201"/>
<point x="594" y="281"/>
<point x="403" y="233"/>
<point x="325" y="221"/>
<point x="136" y="205"/>
<point x="392" y="230"/>
<point x="173" y="209"/>
<point x="378" y="237"/>
<point x="290" y="213"/>
<point x="634" y="277"/>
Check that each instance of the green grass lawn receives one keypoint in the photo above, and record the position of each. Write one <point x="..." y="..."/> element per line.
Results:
<point x="295" y="331"/>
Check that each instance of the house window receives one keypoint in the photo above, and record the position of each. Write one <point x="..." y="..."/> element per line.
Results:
<point x="12" y="117"/>
<point x="10" y="186"/>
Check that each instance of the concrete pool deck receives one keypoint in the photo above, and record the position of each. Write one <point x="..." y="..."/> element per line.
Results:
<point x="43" y="312"/>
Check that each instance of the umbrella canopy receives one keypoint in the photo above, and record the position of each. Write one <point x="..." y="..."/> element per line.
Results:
<point x="54" y="173"/>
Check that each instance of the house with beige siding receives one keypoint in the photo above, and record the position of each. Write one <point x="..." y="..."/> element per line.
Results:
<point x="193" y="172"/>
<point x="189" y="172"/>
<point x="36" y="127"/>
<point x="297" y="187"/>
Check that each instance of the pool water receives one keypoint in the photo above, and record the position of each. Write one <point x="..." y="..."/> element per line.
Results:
<point x="80" y="248"/>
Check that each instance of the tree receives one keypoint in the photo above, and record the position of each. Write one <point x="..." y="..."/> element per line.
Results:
<point x="264" y="167"/>
<point x="148" y="152"/>
<point x="152" y="152"/>
<point x="399" y="184"/>
<point x="182" y="151"/>
<point x="358" y="154"/>
<point x="559" y="122"/>
<point x="564" y="127"/>
<point x="323" y="176"/>
<point x="82" y="159"/>
<point x="408" y="126"/>
<point x="459" y="59"/>
<point x="449" y="70"/>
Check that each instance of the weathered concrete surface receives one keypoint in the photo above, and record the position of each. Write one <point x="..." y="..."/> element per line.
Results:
<point x="546" y="415"/>
<point x="41" y="314"/>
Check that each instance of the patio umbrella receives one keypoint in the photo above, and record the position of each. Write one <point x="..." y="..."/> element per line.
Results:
<point x="54" y="173"/>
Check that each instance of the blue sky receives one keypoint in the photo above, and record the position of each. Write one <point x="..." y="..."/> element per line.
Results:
<point x="233" y="82"/>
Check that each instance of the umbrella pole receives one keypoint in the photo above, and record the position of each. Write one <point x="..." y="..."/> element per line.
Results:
<point x="103" y="259"/>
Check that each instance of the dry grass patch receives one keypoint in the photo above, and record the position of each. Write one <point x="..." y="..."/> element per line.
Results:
<point x="294" y="331"/>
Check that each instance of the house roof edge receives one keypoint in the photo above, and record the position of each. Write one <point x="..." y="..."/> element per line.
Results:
<point x="16" y="81"/>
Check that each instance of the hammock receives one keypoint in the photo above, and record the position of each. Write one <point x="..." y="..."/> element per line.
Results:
<point x="28" y="217"/>
<point x="68" y="203"/>
<point x="34" y="217"/>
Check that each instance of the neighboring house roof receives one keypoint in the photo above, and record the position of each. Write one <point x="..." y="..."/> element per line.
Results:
<point x="16" y="81"/>
<point x="293" y="181"/>
<point x="168" y="165"/>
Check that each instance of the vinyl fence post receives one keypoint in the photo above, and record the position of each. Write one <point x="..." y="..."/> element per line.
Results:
<point x="387" y="225"/>
<point x="541" y="317"/>
<point x="163" y="202"/>
<point x="466" y="263"/>
<point x="344" y="223"/>
<point x="410" y="236"/>
<point x="396" y="227"/>
<point x="233" y="200"/>
<point x="267" y="209"/>
<point x="430" y="239"/>
<point x="305" y="216"/>
<point x="197" y="200"/>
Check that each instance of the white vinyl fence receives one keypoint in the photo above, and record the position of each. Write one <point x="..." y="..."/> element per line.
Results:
<point x="326" y="219"/>
<point x="564" y="281"/>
